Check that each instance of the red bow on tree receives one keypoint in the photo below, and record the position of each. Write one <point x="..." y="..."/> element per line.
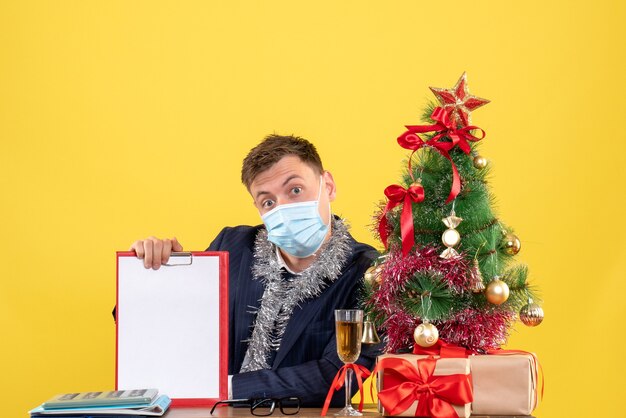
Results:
<point x="434" y="394"/>
<point x="444" y="127"/>
<point x="397" y="195"/>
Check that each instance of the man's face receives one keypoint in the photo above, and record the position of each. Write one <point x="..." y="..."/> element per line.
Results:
<point x="291" y="180"/>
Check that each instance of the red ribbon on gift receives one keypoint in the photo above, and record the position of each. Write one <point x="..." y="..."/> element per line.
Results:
<point x="443" y="350"/>
<point x="397" y="195"/>
<point x="444" y="127"/>
<point x="434" y="394"/>
<point x="361" y="374"/>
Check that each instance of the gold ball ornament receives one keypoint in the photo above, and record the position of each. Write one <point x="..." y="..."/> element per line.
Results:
<point x="480" y="162"/>
<point x="511" y="244"/>
<point x="497" y="291"/>
<point x="372" y="275"/>
<point x="531" y="315"/>
<point x="426" y="334"/>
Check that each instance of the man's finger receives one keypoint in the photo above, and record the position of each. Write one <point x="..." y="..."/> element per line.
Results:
<point x="157" y="248"/>
<point x="167" y="251"/>
<point x="137" y="247"/>
<point x="148" y="251"/>
<point x="176" y="245"/>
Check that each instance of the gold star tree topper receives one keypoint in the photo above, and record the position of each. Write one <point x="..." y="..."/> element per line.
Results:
<point x="458" y="101"/>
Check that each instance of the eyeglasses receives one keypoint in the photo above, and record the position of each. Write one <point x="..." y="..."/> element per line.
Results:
<point x="262" y="407"/>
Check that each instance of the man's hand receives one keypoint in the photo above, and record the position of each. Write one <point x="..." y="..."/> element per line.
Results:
<point x="154" y="251"/>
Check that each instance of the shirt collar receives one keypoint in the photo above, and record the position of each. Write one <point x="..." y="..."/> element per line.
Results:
<point x="281" y="262"/>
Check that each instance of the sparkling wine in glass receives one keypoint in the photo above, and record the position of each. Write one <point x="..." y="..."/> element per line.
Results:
<point x="349" y="329"/>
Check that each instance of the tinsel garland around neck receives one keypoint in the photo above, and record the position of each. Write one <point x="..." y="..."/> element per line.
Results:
<point x="282" y="294"/>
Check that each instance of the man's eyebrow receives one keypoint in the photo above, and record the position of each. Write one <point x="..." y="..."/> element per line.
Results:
<point x="293" y="176"/>
<point x="261" y="193"/>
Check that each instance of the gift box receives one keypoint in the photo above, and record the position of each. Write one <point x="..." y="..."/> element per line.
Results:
<point x="440" y="384"/>
<point x="504" y="384"/>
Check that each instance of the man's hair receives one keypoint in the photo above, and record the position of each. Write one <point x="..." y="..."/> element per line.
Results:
<point x="272" y="149"/>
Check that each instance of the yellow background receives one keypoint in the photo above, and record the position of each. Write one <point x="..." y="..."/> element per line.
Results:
<point x="123" y="119"/>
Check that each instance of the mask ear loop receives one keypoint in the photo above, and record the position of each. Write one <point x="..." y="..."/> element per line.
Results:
<point x="319" y="196"/>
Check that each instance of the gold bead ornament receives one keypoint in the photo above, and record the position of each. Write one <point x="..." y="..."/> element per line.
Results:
<point x="426" y="334"/>
<point x="497" y="291"/>
<point x="480" y="162"/>
<point x="372" y="275"/>
<point x="511" y="244"/>
<point x="531" y="314"/>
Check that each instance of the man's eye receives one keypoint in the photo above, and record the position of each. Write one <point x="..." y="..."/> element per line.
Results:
<point x="268" y="203"/>
<point x="296" y="190"/>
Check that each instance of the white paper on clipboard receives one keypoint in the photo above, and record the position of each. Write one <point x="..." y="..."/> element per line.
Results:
<point x="172" y="331"/>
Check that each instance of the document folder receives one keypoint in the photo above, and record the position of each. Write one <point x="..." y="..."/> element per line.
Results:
<point x="172" y="326"/>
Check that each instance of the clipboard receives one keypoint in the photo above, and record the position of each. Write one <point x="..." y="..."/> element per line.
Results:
<point x="172" y="327"/>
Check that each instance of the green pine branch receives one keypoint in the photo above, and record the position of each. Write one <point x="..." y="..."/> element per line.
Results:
<point x="427" y="296"/>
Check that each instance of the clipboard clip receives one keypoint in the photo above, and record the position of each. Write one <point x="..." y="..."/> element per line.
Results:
<point x="180" y="259"/>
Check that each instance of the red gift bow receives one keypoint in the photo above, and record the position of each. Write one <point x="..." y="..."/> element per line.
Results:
<point x="396" y="195"/>
<point x="434" y="394"/>
<point x="361" y="373"/>
<point x="445" y="127"/>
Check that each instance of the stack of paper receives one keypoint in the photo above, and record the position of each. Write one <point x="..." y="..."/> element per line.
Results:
<point x="111" y="404"/>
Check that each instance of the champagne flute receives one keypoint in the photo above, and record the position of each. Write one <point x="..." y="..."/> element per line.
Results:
<point x="349" y="328"/>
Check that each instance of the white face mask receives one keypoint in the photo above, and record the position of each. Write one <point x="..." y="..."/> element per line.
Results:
<point x="297" y="228"/>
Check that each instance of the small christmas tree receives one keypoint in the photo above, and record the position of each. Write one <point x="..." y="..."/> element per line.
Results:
<point x="448" y="268"/>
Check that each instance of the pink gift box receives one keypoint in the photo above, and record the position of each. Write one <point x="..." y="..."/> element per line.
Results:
<point x="504" y="384"/>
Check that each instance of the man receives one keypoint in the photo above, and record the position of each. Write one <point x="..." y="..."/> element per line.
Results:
<point x="286" y="277"/>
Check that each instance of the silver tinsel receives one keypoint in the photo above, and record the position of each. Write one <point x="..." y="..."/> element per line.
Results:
<point x="282" y="295"/>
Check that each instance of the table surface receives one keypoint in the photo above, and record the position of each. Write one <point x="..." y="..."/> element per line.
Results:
<point x="226" y="412"/>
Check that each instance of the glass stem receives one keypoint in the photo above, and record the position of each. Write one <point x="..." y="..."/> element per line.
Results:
<point x="348" y="386"/>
